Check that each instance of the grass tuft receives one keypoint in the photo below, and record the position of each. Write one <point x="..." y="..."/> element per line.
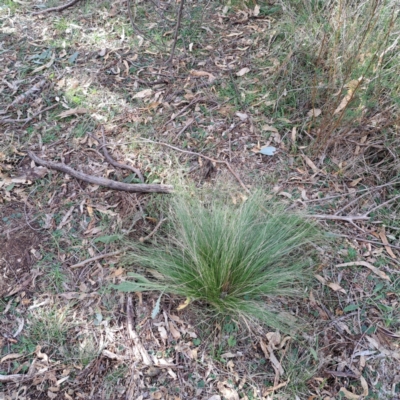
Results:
<point x="236" y="259"/>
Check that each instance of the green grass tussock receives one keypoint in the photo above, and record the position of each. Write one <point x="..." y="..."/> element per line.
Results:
<point x="236" y="259"/>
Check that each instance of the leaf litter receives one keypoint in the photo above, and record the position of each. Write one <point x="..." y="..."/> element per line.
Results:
<point x="120" y="93"/>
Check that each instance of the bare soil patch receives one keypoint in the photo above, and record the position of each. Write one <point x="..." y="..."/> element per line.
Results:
<point x="19" y="244"/>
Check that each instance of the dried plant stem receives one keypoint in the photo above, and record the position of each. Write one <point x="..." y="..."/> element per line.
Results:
<point x="99" y="257"/>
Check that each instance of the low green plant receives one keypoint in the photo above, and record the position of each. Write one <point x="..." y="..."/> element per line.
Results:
<point x="235" y="259"/>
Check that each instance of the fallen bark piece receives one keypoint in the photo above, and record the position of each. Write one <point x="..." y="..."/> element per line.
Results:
<point x="127" y="187"/>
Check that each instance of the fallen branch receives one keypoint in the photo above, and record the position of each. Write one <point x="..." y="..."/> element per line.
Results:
<point x="205" y="157"/>
<point x="115" y="163"/>
<point x="99" y="257"/>
<point x="59" y="8"/>
<point x="127" y="187"/>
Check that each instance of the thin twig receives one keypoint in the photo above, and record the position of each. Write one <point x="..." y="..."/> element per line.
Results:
<point x="59" y="8"/>
<point x="99" y="257"/>
<point x="144" y="239"/>
<point x="368" y="241"/>
<point x="127" y="187"/>
<point x="178" y="25"/>
<point x="26" y="120"/>
<point x="117" y="164"/>
<point x="395" y="182"/>
<point x="205" y="157"/>
<point x="188" y="123"/>
<point x="352" y="218"/>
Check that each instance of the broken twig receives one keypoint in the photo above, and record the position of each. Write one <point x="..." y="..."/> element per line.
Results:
<point x="115" y="163"/>
<point x="127" y="187"/>
<point x="144" y="239"/>
<point x="99" y="257"/>
<point x="59" y="8"/>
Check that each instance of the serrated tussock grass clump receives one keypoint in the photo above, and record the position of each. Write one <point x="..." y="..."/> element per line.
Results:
<point x="235" y="259"/>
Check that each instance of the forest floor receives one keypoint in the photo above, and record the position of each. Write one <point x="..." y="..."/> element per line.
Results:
<point x="74" y="81"/>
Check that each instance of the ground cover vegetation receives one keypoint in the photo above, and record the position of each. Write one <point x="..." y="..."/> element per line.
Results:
<point x="276" y="122"/>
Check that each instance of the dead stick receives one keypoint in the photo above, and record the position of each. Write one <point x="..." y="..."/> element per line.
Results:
<point x="205" y="157"/>
<point x="127" y="187"/>
<point x="178" y="25"/>
<point x="349" y="218"/>
<point x="99" y="257"/>
<point x="117" y="164"/>
<point x="59" y="8"/>
<point x="352" y="218"/>
<point x="367" y="241"/>
<point x="144" y="239"/>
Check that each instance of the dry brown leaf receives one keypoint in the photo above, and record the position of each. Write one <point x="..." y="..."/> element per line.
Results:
<point x="11" y="356"/>
<point x="211" y="77"/>
<point x="269" y="355"/>
<point x="355" y="182"/>
<point x="118" y="272"/>
<point x="73" y="111"/>
<point x="163" y="333"/>
<point x="157" y="395"/>
<point x="256" y="11"/>
<point x="64" y="221"/>
<point x="227" y="392"/>
<point x="243" y="71"/>
<point x="314" y="112"/>
<point x="311" y="164"/>
<point x="352" y="87"/>
<point x="184" y="304"/>
<point x="383" y="237"/>
<point x="48" y="65"/>
<point x="276" y="387"/>
<point x="351" y="395"/>
<point x="176" y="318"/>
<point x="368" y="265"/>
<point x="334" y="286"/>
<point x="143" y="93"/>
<point x="242" y="116"/>
<point x="174" y="332"/>
<point x="269" y="128"/>
<point x="274" y="338"/>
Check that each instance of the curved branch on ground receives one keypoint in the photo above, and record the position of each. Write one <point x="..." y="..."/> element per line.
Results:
<point x="127" y="187"/>
<point x="59" y="8"/>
